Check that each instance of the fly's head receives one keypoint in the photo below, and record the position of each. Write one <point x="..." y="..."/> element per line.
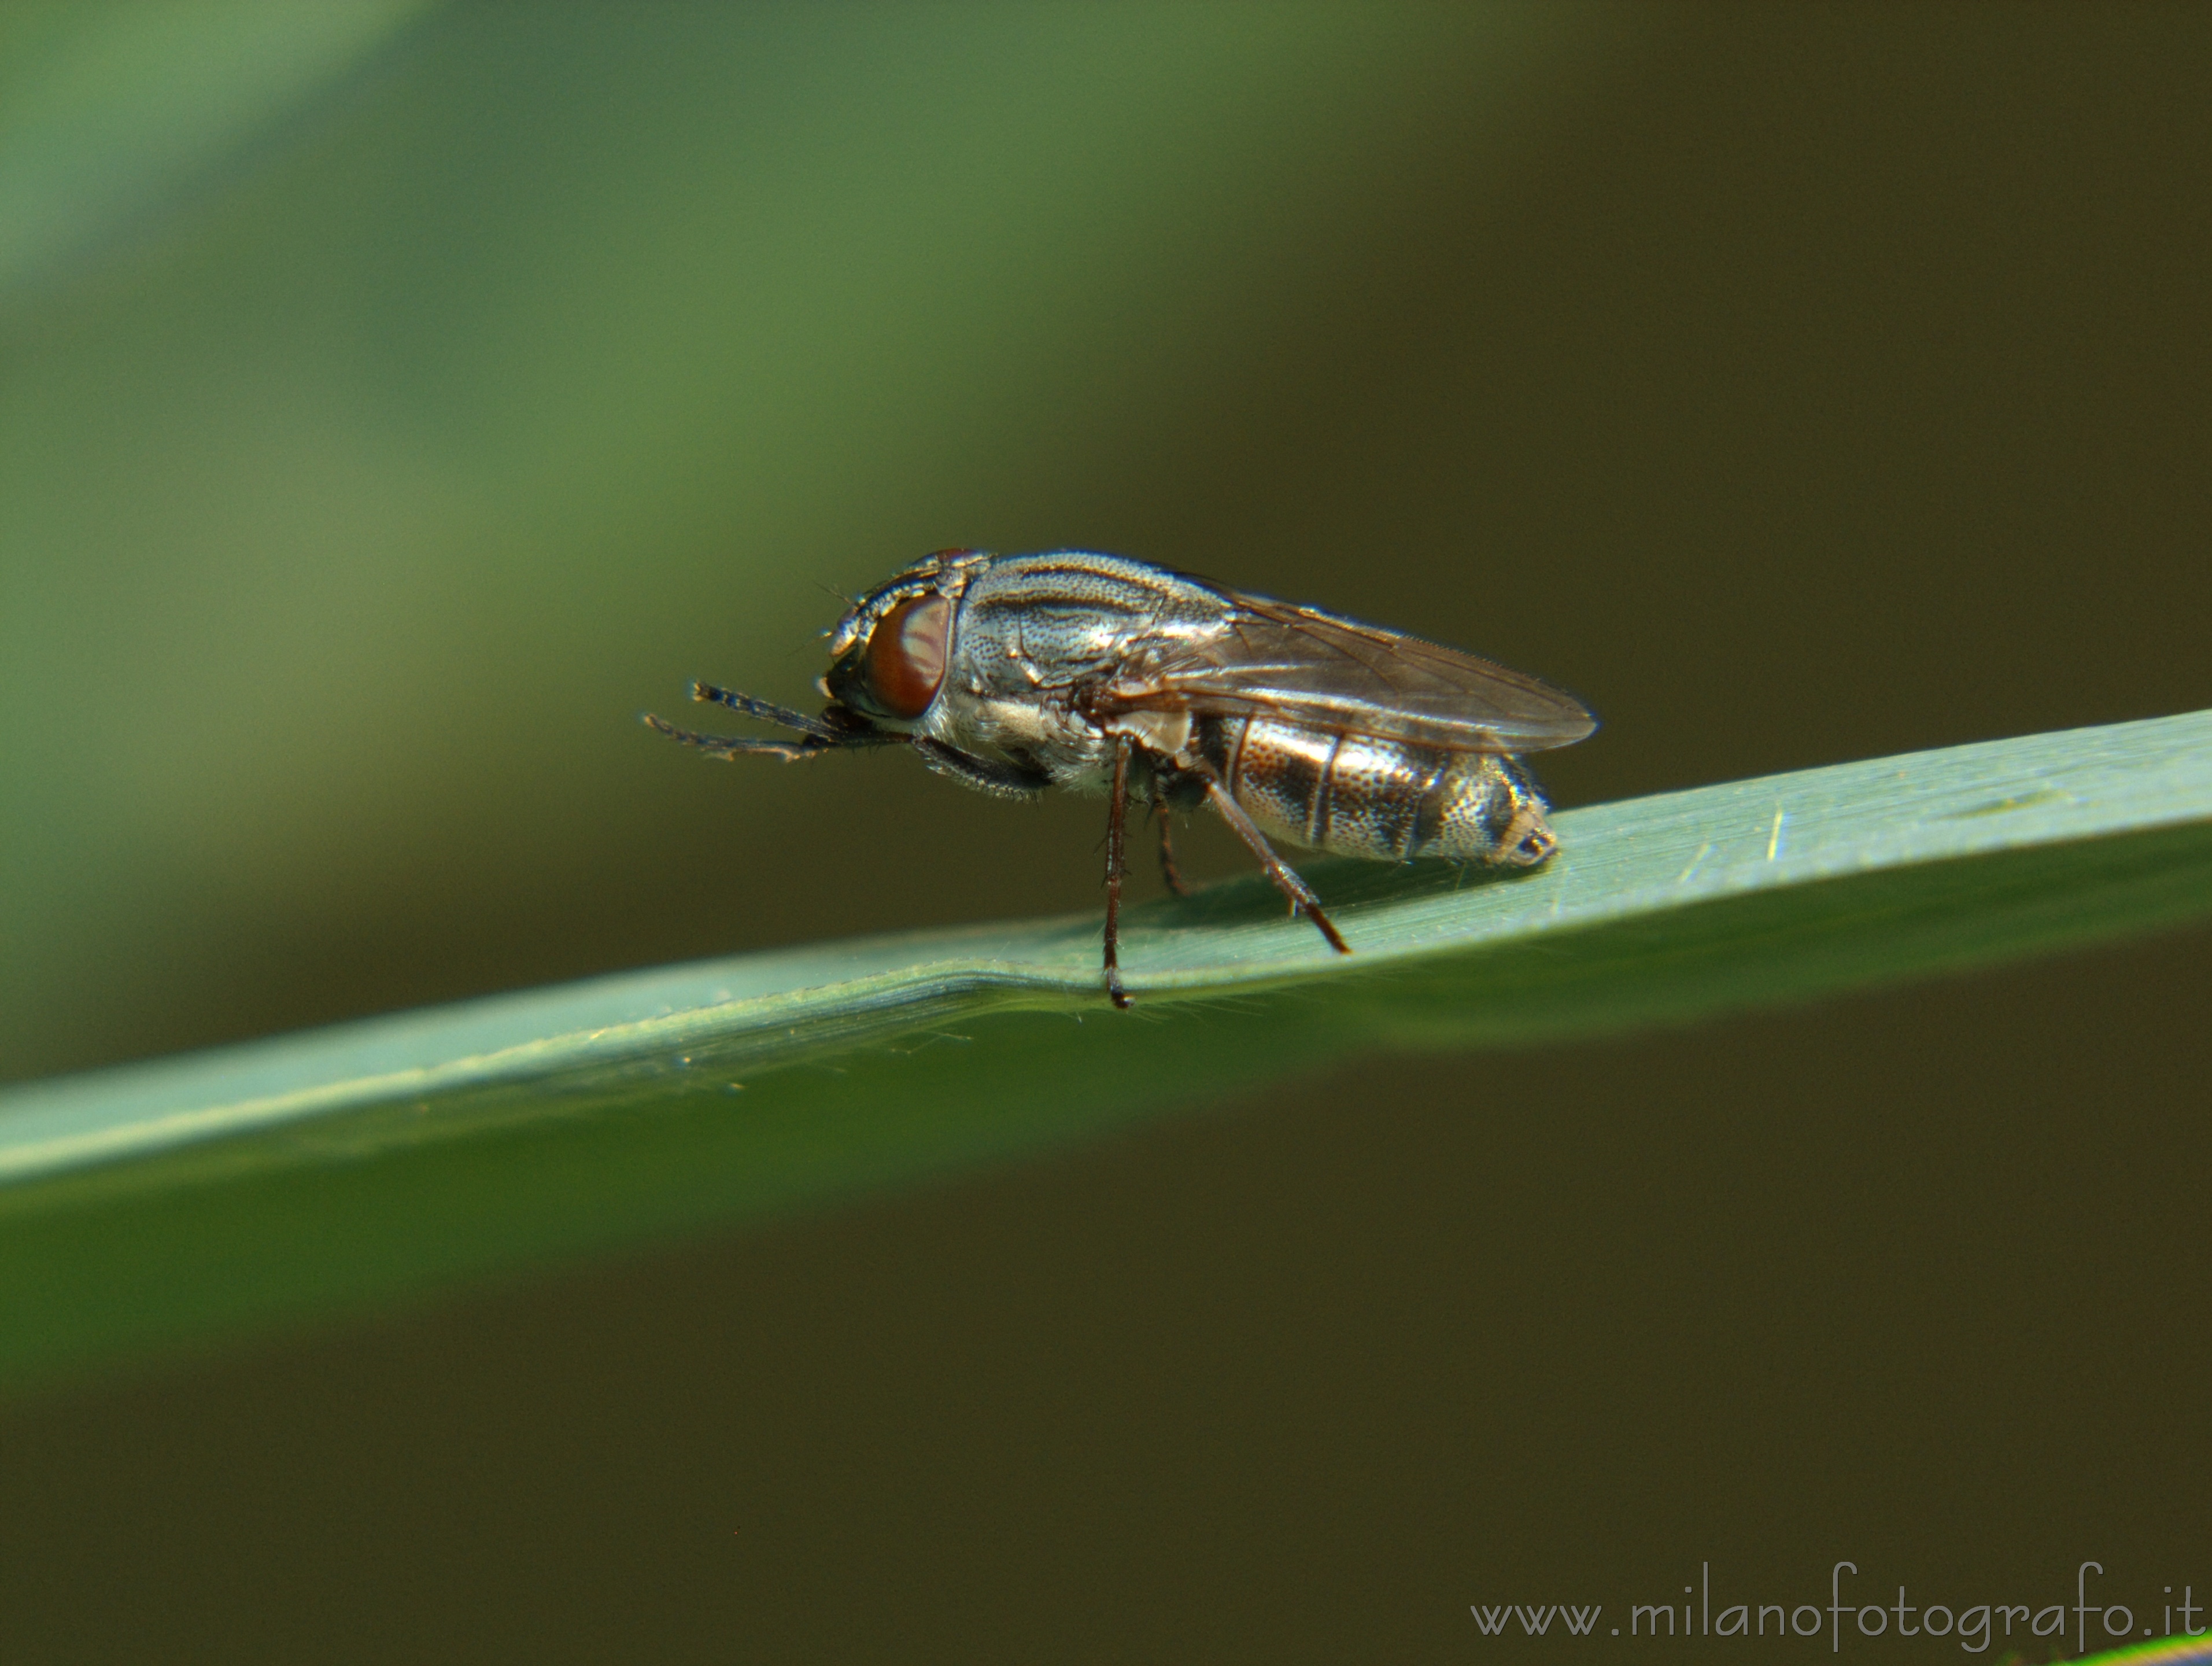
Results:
<point x="888" y="655"/>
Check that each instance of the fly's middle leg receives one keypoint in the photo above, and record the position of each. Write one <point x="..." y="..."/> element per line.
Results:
<point x="1117" y="817"/>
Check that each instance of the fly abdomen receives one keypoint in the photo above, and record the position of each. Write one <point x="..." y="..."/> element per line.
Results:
<point x="1385" y="800"/>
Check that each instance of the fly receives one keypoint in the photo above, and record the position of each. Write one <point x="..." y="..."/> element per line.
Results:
<point x="1014" y="673"/>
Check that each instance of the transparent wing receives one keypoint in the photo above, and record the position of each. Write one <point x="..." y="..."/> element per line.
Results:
<point x="1278" y="659"/>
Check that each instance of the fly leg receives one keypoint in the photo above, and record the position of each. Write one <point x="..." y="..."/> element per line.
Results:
<point x="1000" y="781"/>
<point x="766" y="710"/>
<point x="816" y="735"/>
<point x="1300" y="893"/>
<point x="1169" y="871"/>
<point x="1117" y="816"/>
<point x="730" y="745"/>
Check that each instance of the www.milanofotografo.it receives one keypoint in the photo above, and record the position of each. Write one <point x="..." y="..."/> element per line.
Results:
<point x="2095" y="1616"/>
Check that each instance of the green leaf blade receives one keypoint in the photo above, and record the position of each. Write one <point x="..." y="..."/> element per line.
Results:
<point x="186" y="1198"/>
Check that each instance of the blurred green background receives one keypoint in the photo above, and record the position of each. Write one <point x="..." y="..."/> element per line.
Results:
<point x="396" y="398"/>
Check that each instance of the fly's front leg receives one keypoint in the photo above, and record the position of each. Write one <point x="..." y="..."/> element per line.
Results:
<point x="1168" y="872"/>
<point x="1117" y="816"/>
<point x="735" y="746"/>
<point x="768" y="711"/>
<point x="816" y="735"/>
<point x="1286" y="881"/>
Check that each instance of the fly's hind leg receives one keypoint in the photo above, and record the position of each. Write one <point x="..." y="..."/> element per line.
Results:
<point x="1301" y="894"/>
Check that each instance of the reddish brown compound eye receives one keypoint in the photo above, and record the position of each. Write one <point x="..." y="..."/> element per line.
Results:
<point x="906" y="655"/>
